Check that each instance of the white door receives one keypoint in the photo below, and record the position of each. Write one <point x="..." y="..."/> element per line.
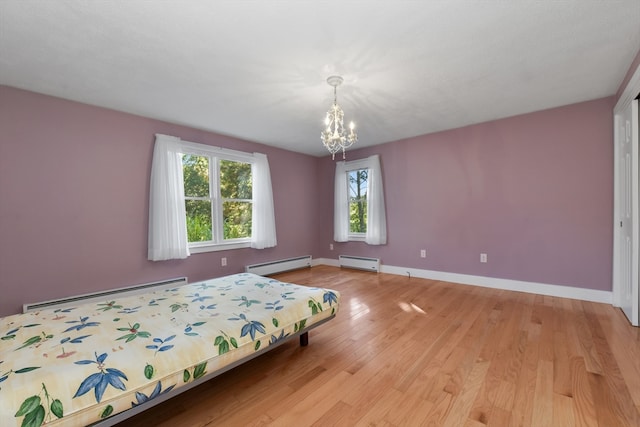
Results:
<point x="627" y="140"/>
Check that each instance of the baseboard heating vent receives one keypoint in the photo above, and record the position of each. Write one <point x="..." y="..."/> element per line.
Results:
<point x="103" y="295"/>
<point x="360" y="263"/>
<point x="272" y="267"/>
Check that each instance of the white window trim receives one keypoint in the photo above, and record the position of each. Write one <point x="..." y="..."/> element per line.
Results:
<point x="209" y="150"/>
<point x="202" y="247"/>
<point x="220" y="154"/>
<point x="356" y="165"/>
<point x="357" y="237"/>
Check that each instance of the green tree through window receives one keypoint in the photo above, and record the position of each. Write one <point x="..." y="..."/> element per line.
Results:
<point x="195" y="171"/>
<point x="358" y="200"/>
<point x="235" y="190"/>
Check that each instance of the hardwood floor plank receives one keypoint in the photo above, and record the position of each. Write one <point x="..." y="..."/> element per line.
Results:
<point x="442" y="403"/>
<point x="585" y="339"/>
<point x="583" y="398"/>
<point x="499" y="418"/>
<point x="562" y="383"/>
<point x="462" y="405"/>
<point x="415" y="352"/>
<point x="543" y="399"/>
<point x="522" y="410"/>
<point x="563" y="410"/>
<point x="383" y="406"/>
<point x="473" y="423"/>
<point x="334" y="416"/>
<point x="481" y="409"/>
<point x="409" y="407"/>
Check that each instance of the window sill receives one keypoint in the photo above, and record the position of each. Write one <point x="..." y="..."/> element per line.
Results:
<point x="357" y="237"/>
<point x="201" y="248"/>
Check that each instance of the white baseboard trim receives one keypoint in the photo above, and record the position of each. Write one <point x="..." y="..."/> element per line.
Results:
<point x="583" y="294"/>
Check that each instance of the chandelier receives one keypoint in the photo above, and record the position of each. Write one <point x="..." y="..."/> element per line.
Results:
<point x="334" y="136"/>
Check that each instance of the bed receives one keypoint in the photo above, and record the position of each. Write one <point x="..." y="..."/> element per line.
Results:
<point x="101" y="362"/>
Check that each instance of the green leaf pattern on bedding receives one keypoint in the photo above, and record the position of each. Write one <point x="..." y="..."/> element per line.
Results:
<point x="34" y="412"/>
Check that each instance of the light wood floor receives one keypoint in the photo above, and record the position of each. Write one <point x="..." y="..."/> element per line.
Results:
<point x="405" y="351"/>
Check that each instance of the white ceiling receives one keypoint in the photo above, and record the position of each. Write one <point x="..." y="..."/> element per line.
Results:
<point x="257" y="69"/>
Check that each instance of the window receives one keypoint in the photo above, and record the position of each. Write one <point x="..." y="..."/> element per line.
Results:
<point x="218" y="199"/>
<point x="204" y="198"/>
<point x="359" y="212"/>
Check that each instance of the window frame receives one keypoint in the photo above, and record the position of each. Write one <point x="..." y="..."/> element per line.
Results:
<point x="376" y="233"/>
<point x="351" y="166"/>
<point x="215" y="154"/>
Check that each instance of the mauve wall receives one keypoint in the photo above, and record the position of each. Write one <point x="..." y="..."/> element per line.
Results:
<point x="74" y="183"/>
<point x="534" y="192"/>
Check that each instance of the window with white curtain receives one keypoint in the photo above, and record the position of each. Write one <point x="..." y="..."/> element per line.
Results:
<point x="207" y="198"/>
<point x="359" y="210"/>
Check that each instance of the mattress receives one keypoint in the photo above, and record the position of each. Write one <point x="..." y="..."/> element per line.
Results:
<point x="79" y="365"/>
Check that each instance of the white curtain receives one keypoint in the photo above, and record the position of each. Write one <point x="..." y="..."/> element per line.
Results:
<point x="167" y="218"/>
<point x="341" y="204"/>
<point x="263" y="227"/>
<point x="376" y="216"/>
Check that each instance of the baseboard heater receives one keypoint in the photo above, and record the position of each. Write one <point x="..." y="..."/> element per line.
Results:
<point x="272" y="267"/>
<point x="102" y="296"/>
<point x="360" y="263"/>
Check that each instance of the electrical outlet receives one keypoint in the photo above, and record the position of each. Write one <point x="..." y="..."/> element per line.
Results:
<point x="423" y="253"/>
<point x="223" y="261"/>
<point x="483" y="258"/>
<point x="330" y="246"/>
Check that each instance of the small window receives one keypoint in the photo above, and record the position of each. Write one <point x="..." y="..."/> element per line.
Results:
<point x="218" y="199"/>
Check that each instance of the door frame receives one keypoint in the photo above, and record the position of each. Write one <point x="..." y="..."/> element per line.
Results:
<point x="629" y="93"/>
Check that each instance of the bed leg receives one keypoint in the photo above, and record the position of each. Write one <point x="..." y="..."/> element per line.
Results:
<point x="304" y="339"/>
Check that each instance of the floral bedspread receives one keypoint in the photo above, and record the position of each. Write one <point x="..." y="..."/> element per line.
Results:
<point x="75" y="366"/>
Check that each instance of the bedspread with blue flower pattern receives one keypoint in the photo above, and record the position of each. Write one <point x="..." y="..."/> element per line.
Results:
<point x="79" y="365"/>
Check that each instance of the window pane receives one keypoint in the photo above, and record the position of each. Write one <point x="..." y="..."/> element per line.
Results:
<point x="358" y="200"/>
<point x="358" y="183"/>
<point x="196" y="175"/>
<point x="235" y="180"/>
<point x="237" y="219"/>
<point x="198" y="220"/>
